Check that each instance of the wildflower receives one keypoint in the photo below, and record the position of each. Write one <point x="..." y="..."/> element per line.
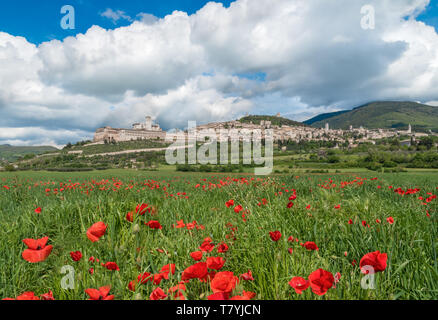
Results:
<point x="76" y="255"/>
<point x="275" y="235"/>
<point x="299" y="284"/>
<point x="96" y="231"/>
<point x="99" y="294"/>
<point x="375" y="259"/>
<point x="320" y="281"/>
<point x="37" y="250"/>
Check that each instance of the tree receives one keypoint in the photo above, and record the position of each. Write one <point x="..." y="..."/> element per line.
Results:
<point x="9" y="167"/>
<point x="427" y="142"/>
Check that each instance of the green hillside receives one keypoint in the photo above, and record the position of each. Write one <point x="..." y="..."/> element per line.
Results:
<point x="11" y="153"/>
<point x="276" y="121"/>
<point x="388" y="114"/>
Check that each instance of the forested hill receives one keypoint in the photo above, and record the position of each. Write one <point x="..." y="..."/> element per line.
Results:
<point x="12" y="153"/>
<point x="387" y="114"/>
<point x="279" y="121"/>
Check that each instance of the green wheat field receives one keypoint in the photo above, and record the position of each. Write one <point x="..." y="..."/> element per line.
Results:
<point x="215" y="235"/>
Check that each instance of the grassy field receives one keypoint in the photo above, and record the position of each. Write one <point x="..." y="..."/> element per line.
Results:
<point x="72" y="202"/>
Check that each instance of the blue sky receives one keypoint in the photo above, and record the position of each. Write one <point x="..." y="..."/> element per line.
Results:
<point x="39" y="20"/>
<point x="430" y="16"/>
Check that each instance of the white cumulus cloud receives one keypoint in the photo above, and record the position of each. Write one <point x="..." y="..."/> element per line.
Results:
<point x="297" y="57"/>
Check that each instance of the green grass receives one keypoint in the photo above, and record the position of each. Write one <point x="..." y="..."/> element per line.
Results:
<point x="121" y="146"/>
<point x="411" y="242"/>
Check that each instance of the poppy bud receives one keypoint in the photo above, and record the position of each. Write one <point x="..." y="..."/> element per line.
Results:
<point x="138" y="296"/>
<point x="136" y="229"/>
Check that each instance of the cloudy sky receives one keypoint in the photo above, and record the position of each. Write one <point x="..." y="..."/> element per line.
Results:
<point x="205" y="61"/>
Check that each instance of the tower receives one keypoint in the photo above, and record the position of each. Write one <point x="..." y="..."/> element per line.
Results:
<point x="327" y="127"/>
<point x="409" y="129"/>
<point x="148" y="123"/>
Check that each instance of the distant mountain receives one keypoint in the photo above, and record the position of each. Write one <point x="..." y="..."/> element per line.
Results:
<point x="278" y="121"/>
<point x="11" y="153"/>
<point x="385" y="114"/>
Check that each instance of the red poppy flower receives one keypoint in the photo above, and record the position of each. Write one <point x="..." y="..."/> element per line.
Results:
<point x="224" y="281"/>
<point x="390" y="220"/>
<point x="37" y="250"/>
<point x="197" y="255"/>
<point x="275" y="235"/>
<point x="229" y="203"/>
<point x="141" y="209"/>
<point x="177" y="291"/>
<point x="153" y="224"/>
<point x="157" y="278"/>
<point x="131" y="285"/>
<point x="215" y="263"/>
<point x="337" y="278"/>
<point x="219" y="296"/>
<point x="168" y="268"/>
<point x="299" y="284"/>
<point x="111" y="266"/>
<point x="179" y="224"/>
<point x="47" y="296"/>
<point x="290" y="204"/>
<point x="101" y="294"/>
<point x="338" y="206"/>
<point x="207" y="245"/>
<point x="222" y="248"/>
<point x="309" y="245"/>
<point x="375" y="259"/>
<point x="158" y="294"/>
<point x="96" y="231"/>
<point x="130" y="216"/>
<point x="247" y="276"/>
<point x="320" y="281"/>
<point x="144" y="277"/>
<point x="246" y="295"/>
<point x="38" y="210"/>
<point x="238" y="208"/>
<point x="27" y="296"/>
<point x="76" y="255"/>
<point x="198" y="270"/>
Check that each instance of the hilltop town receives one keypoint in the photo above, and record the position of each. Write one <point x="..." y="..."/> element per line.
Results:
<point x="236" y="129"/>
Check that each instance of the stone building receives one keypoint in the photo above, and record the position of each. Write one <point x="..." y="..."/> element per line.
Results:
<point x="140" y="131"/>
